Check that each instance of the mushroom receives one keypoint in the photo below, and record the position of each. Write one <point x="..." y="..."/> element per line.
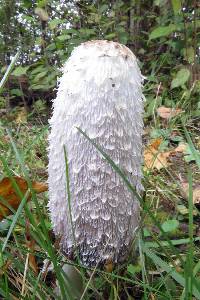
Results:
<point x="100" y="92"/>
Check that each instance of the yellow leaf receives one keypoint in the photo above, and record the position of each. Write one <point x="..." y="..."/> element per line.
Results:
<point x="153" y="158"/>
<point x="21" y="117"/>
<point x="10" y="197"/>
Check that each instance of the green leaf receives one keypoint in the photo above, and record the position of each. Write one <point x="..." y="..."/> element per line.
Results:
<point x="64" y="37"/>
<point x="133" y="269"/>
<point x="162" y="31"/>
<point x="176" y="4"/>
<point x="16" y="92"/>
<point x="19" y="71"/>
<point x="42" y="3"/>
<point x="54" y="23"/>
<point x="181" y="78"/>
<point x="39" y="87"/>
<point x="190" y="156"/>
<point x="164" y="133"/>
<point x="103" y="8"/>
<point x="51" y="47"/>
<point x="28" y="18"/>
<point x="195" y="153"/>
<point x="170" y="270"/>
<point x="176" y="138"/>
<point x="93" y="17"/>
<point x="182" y="209"/>
<point x="146" y="232"/>
<point x="123" y="37"/>
<point x="37" y="69"/>
<point x="87" y="31"/>
<point x="189" y="54"/>
<point x="40" y="75"/>
<point x="110" y="36"/>
<point x="170" y="225"/>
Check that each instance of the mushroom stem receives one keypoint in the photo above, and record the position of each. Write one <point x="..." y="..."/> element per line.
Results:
<point x="73" y="281"/>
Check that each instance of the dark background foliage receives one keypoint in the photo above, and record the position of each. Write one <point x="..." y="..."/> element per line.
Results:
<point x="163" y="34"/>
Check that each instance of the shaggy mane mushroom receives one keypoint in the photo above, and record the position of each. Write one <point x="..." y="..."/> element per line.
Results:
<point x="100" y="92"/>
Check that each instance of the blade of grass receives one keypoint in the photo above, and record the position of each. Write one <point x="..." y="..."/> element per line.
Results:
<point x="171" y="271"/>
<point x="70" y="215"/>
<point x="191" y="246"/>
<point x="9" y="70"/>
<point x="41" y="237"/>
<point x="174" y="242"/>
<point x="144" y="273"/>
<point x="18" y="212"/>
<point x="189" y="265"/>
<point x="35" y="140"/>
<point x="48" y="246"/>
<point x="132" y="189"/>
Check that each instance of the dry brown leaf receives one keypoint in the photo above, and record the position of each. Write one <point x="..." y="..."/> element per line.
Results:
<point x="9" y="195"/>
<point x="167" y="113"/>
<point x="155" y="159"/>
<point x="181" y="148"/>
<point x="5" y="266"/>
<point x="30" y="243"/>
<point x="155" y="144"/>
<point x="196" y="195"/>
<point x="32" y="261"/>
<point x="195" y="192"/>
<point x="109" y="266"/>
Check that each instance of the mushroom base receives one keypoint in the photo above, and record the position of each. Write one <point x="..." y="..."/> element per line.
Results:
<point x="100" y="255"/>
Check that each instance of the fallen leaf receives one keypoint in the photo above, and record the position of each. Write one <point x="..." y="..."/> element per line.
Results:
<point x="153" y="158"/>
<point x="109" y="266"/>
<point x="195" y="192"/>
<point x="9" y="196"/>
<point x="186" y="150"/>
<point x="167" y="113"/>
<point x="196" y="195"/>
<point x="155" y="144"/>
<point x="182" y="147"/>
<point x="30" y="243"/>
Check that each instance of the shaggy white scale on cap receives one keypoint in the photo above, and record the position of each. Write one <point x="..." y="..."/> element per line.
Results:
<point x="100" y="92"/>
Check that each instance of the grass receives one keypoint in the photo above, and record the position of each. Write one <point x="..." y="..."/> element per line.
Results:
<point x="165" y="265"/>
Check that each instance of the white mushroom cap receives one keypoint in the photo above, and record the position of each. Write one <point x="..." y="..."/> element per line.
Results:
<point x="100" y="92"/>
